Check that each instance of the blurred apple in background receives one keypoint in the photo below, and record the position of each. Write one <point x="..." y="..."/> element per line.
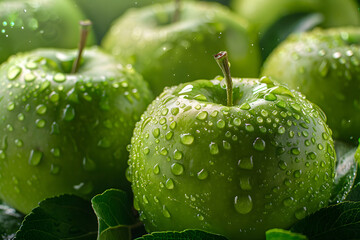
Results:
<point x="29" y="24"/>
<point x="276" y="19"/>
<point x="167" y="51"/>
<point x="103" y="13"/>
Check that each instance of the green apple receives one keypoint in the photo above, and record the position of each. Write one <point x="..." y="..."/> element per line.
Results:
<point x="199" y="162"/>
<point x="64" y="132"/>
<point x="168" y="52"/>
<point x="263" y="13"/>
<point x="276" y="19"/>
<point x="324" y="66"/>
<point x="29" y="24"/>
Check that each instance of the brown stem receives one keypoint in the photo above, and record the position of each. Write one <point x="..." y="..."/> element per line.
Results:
<point x="177" y="11"/>
<point x="222" y="60"/>
<point x="85" y="26"/>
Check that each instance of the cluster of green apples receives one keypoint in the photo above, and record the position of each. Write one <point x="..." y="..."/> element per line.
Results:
<point x="230" y="156"/>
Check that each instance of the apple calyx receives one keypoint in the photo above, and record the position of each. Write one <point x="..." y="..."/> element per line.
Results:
<point x="85" y="26"/>
<point x="223" y="61"/>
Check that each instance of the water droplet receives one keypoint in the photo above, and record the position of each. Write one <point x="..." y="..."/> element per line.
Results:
<point x="88" y="164"/>
<point x="249" y="127"/>
<point x="35" y="157"/>
<point x="156" y="132"/>
<point x="295" y="106"/>
<point x="68" y="113"/>
<point x="226" y="145"/>
<point x="174" y="111"/>
<point x="202" y="175"/>
<point x="54" y="169"/>
<point x="200" y="97"/>
<point x="11" y="106"/>
<point x="55" y="152"/>
<point x="282" y="165"/>
<point x="324" y="68"/>
<point x="177" y="169"/>
<point x="104" y="143"/>
<point x="41" y="109"/>
<point x="295" y="151"/>
<point x="220" y="123"/>
<point x="245" y="106"/>
<point x="13" y="72"/>
<point x="59" y="77"/>
<point x="259" y="144"/>
<point x="202" y="115"/>
<point x="237" y="122"/>
<point x="40" y="123"/>
<point x="270" y="97"/>
<point x="243" y="204"/>
<point x="288" y="201"/>
<point x="186" y="139"/>
<point x="246" y="163"/>
<point x="165" y="212"/>
<point x="178" y="155"/>
<point x="214" y="149"/>
<point x="84" y="187"/>
<point x="297" y="173"/>
<point x="54" y="97"/>
<point x="300" y="213"/>
<point x="163" y="151"/>
<point x="29" y="77"/>
<point x="281" y="104"/>
<point x="156" y="169"/>
<point x="169" y="184"/>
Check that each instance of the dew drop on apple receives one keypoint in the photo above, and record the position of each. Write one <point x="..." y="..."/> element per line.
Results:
<point x="295" y="151"/>
<point x="156" y="132"/>
<point x="282" y="165"/>
<point x="59" y="77"/>
<point x="156" y="169"/>
<point x="104" y="143"/>
<point x="287" y="202"/>
<point x="186" y="139"/>
<point x="54" y="169"/>
<point x="178" y="155"/>
<point x="200" y="217"/>
<point x="13" y="73"/>
<point x="40" y="123"/>
<point x="18" y="142"/>
<point x="202" y="174"/>
<point x="29" y="77"/>
<point x="2" y="155"/>
<point x="243" y="204"/>
<point x="88" y="164"/>
<point x="84" y="187"/>
<point x="145" y="200"/>
<point x="220" y="123"/>
<point x="11" y="106"/>
<point x="177" y="169"/>
<point x="35" y="157"/>
<point x="246" y="163"/>
<point x="202" y="115"/>
<point x="169" y="135"/>
<point x="165" y="212"/>
<point x="249" y="127"/>
<point x="68" y="113"/>
<point x="300" y="213"/>
<point x="169" y="184"/>
<point x="41" y="109"/>
<point x="259" y="144"/>
<point x="214" y="148"/>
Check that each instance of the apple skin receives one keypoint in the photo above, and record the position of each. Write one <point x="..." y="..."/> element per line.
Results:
<point x="62" y="132"/>
<point x="324" y="66"/>
<point x="27" y="25"/>
<point x="168" y="53"/>
<point x="263" y="13"/>
<point x="236" y="171"/>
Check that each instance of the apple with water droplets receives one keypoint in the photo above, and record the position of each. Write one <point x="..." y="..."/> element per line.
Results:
<point x="26" y="25"/>
<point x="168" y="50"/>
<point x="230" y="157"/>
<point x="64" y="127"/>
<point x="324" y="65"/>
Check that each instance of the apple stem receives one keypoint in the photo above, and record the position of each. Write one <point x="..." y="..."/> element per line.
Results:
<point x="223" y="61"/>
<point x="85" y="25"/>
<point x="177" y="11"/>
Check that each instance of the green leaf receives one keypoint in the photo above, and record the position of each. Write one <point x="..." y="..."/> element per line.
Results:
<point x="280" y="234"/>
<point x="187" y="234"/>
<point x="281" y="29"/>
<point x="63" y="217"/>
<point x="10" y="221"/>
<point x="346" y="170"/>
<point x="115" y="216"/>
<point x="341" y="221"/>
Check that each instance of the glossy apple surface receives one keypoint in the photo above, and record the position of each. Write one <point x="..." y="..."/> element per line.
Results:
<point x="265" y="162"/>
<point x="63" y="132"/>
<point x="167" y="53"/>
